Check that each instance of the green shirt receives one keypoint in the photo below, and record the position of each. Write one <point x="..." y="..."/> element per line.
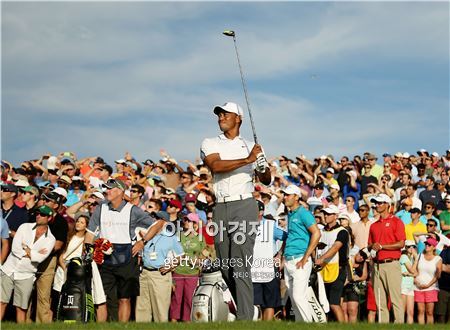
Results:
<point x="193" y="247"/>
<point x="445" y="217"/>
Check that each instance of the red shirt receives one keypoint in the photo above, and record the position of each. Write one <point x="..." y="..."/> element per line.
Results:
<point x="387" y="231"/>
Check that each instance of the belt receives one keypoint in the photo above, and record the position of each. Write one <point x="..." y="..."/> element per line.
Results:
<point x="288" y="258"/>
<point x="233" y="198"/>
<point x="151" y="269"/>
<point x="385" y="261"/>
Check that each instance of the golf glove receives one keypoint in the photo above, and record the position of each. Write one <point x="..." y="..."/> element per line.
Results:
<point x="261" y="163"/>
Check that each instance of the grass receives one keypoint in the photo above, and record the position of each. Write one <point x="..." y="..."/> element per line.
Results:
<point x="222" y="326"/>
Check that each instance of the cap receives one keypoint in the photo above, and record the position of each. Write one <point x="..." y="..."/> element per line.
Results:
<point x="386" y="155"/>
<point x="371" y="156"/>
<point x="229" y="107"/>
<point x="381" y="198"/>
<point x="149" y="162"/>
<point x="415" y="210"/>
<point x="99" y="160"/>
<point x="422" y="151"/>
<point x="292" y="190"/>
<point x="193" y="217"/>
<point x="330" y="169"/>
<point x="60" y="191"/>
<point x="82" y="214"/>
<point x="163" y="215"/>
<point x="46" y="210"/>
<point x="431" y="241"/>
<point x="77" y="178"/>
<point x="132" y="165"/>
<point x="435" y="154"/>
<point x="120" y="161"/>
<point x="176" y="203"/>
<point x="31" y="189"/>
<point x="398" y="155"/>
<point x="53" y="196"/>
<point x="331" y="209"/>
<point x="66" y="179"/>
<point x="335" y="186"/>
<point x="22" y="183"/>
<point x="10" y="187"/>
<point x="406" y="155"/>
<point x="190" y="198"/>
<point x="407" y="201"/>
<point x="115" y="183"/>
<point x="409" y="242"/>
<point x="344" y="216"/>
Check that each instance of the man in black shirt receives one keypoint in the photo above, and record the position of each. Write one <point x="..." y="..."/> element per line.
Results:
<point x="14" y="215"/>
<point x="442" y="307"/>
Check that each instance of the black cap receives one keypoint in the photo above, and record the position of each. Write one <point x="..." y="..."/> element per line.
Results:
<point x="99" y="160"/>
<point x="149" y="162"/>
<point x="10" y="187"/>
<point x="415" y="210"/>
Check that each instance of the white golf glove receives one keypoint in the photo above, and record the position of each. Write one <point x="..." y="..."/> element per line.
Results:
<point x="261" y="163"/>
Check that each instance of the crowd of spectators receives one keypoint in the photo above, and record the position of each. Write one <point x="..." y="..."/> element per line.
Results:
<point x="61" y="193"/>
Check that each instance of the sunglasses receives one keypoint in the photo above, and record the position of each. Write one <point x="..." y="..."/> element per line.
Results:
<point x="431" y="225"/>
<point x="41" y="214"/>
<point x="410" y="246"/>
<point x="134" y="190"/>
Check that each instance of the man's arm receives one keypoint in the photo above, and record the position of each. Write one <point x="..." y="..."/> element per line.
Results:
<point x="5" y="250"/>
<point x="313" y="241"/>
<point x="217" y="165"/>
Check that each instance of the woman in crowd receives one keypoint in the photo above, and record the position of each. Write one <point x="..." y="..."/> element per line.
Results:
<point x="74" y="248"/>
<point x="408" y="264"/>
<point x="429" y="267"/>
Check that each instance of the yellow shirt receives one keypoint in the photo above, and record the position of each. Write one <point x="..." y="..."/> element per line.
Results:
<point x="410" y="229"/>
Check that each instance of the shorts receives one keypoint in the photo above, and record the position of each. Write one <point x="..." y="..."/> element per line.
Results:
<point x="443" y="305"/>
<point x="267" y="295"/>
<point x="22" y="290"/>
<point x="429" y="296"/>
<point x="408" y="290"/>
<point x="349" y="294"/>
<point x="334" y="289"/>
<point x="121" y="281"/>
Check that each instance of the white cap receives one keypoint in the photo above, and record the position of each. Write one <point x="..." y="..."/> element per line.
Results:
<point x="330" y="169"/>
<point x="230" y="107"/>
<point x="399" y="155"/>
<point x="435" y="154"/>
<point x="409" y="242"/>
<point x="22" y="183"/>
<point x="381" y="198"/>
<point x="406" y="155"/>
<point x="120" y="161"/>
<point x="51" y="162"/>
<point x="77" y="178"/>
<point x="335" y="186"/>
<point x="60" y="191"/>
<point x="344" y="216"/>
<point x="323" y="157"/>
<point x="292" y="190"/>
<point x="331" y="209"/>
<point x="98" y="194"/>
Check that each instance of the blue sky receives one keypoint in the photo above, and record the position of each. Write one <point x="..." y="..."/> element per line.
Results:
<point x="323" y="78"/>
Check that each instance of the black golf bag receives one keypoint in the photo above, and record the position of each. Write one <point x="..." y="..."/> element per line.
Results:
<point x="75" y="302"/>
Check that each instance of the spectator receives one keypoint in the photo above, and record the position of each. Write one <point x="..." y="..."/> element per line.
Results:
<point x="444" y="217"/>
<point x="32" y="243"/>
<point x="74" y="249"/>
<point x="136" y="194"/>
<point x="415" y="226"/>
<point x="303" y="236"/>
<point x="30" y="197"/>
<point x="351" y="209"/>
<point x="361" y="228"/>
<point x="408" y="263"/>
<point x="14" y="215"/>
<point x="190" y="202"/>
<point x="76" y="192"/>
<point x="386" y="239"/>
<point x="428" y="270"/>
<point x="155" y="281"/>
<point x="375" y="169"/>
<point x="4" y="243"/>
<point x="429" y="209"/>
<point x="186" y="186"/>
<point x="442" y="308"/>
<point x="366" y="179"/>
<point x="430" y="194"/>
<point x="186" y="275"/>
<point x="405" y="213"/>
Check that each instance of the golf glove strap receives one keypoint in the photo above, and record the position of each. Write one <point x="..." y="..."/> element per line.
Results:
<point x="261" y="163"/>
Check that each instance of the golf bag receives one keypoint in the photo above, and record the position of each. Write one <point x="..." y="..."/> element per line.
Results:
<point x="75" y="302"/>
<point x="317" y="311"/>
<point x="212" y="299"/>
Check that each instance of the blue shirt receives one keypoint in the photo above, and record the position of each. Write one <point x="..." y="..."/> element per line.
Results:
<point x="298" y="235"/>
<point x="4" y="229"/>
<point x="157" y="249"/>
<point x="405" y="216"/>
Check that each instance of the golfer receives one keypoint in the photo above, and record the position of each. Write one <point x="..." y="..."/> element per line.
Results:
<point x="233" y="161"/>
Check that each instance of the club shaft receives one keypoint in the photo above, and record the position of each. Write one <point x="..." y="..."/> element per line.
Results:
<point x="245" y="91"/>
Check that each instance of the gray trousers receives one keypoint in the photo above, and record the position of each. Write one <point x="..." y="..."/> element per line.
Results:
<point x="234" y="247"/>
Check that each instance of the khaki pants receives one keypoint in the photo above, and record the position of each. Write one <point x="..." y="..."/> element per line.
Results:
<point x="154" y="298"/>
<point x="44" y="289"/>
<point x="387" y="280"/>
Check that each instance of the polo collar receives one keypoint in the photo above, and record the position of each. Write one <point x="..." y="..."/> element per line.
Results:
<point x="223" y="137"/>
<point x="121" y="206"/>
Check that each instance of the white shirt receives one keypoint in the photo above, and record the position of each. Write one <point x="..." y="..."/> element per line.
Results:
<point x="354" y="216"/>
<point x="239" y="181"/>
<point x="17" y="266"/>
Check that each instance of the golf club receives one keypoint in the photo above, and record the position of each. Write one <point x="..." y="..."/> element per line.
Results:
<point x="230" y="33"/>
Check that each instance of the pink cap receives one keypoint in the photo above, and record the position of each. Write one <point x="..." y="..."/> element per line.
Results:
<point x="431" y="241"/>
<point x="193" y="217"/>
